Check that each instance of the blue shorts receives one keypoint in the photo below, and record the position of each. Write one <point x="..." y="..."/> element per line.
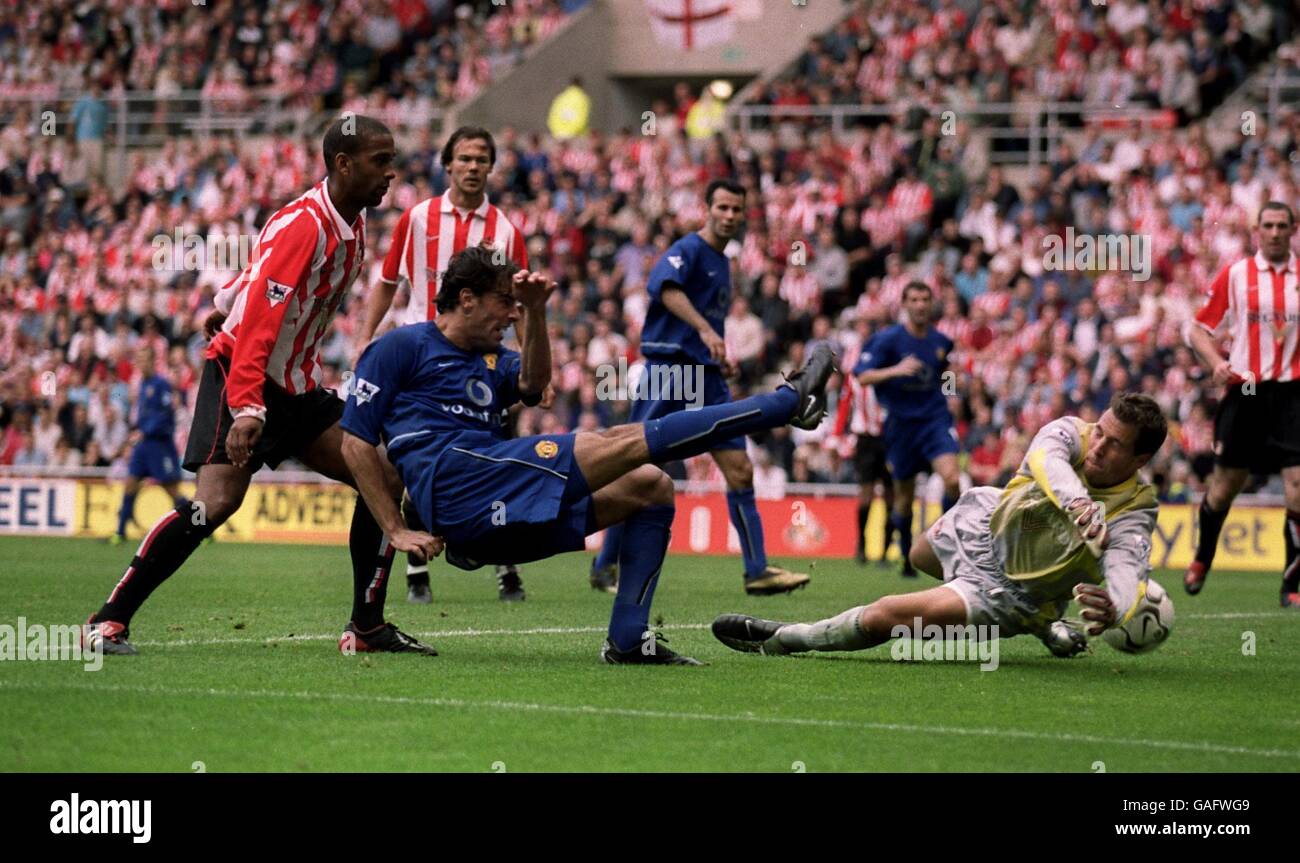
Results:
<point x="715" y="392"/>
<point x="911" y="445"/>
<point x="511" y="502"/>
<point x="155" y="458"/>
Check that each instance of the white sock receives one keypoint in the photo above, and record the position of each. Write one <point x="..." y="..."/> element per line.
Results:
<point x="842" y="632"/>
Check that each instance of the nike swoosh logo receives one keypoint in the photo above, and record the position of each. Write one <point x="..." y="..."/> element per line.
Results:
<point x="812" y="401"/>
<point x="444" y="365"/>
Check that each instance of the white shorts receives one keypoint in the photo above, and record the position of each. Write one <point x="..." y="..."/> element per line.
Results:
<point x="974" y="565"/>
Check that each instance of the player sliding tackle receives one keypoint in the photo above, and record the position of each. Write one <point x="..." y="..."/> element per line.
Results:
<point x="435" y="394"/>
<point x="1072" y="519"/>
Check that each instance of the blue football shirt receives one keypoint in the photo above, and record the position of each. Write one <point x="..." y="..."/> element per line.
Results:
<point x="704" y="275"/>
<point x="155" y="411"/>
<point x="920" y="396"/>
<point x="419" y="394"/>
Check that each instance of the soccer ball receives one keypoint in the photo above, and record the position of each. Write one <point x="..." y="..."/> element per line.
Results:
<point x="1149" y="626"/>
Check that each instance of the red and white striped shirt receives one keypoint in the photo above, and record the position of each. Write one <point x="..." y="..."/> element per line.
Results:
<point x="859" y="409"/>
<point x="281" y="306"/>
<point x="1260" y="304"/>
<point x="420" y="249"/>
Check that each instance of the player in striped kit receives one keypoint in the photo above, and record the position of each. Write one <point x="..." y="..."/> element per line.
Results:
<point x="426" y="237"/>
<point x="1257" y="300"/>
<point x="861" y="414"/>
<point x="260" y="399"/>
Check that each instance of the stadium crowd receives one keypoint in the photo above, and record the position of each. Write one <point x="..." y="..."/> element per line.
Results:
<point x="836" y="226"/>
<point x="1180" y="55"/>
<point x="388" y="58"/>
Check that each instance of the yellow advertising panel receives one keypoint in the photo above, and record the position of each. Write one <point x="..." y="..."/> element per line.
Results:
<point x="272" y="512"/>
<point x="322" y="513"/>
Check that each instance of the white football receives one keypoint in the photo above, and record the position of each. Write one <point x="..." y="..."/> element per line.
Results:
<point x="1149" y="626"/>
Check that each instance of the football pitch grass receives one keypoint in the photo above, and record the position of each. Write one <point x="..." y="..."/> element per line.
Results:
<point x="239" y="669"/>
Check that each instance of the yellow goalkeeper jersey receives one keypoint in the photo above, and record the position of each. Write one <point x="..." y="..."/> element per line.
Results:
<point x="1045" y="553"/>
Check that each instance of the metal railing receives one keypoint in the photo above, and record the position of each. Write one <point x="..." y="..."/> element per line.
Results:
<point x="1282" y="88"/>
<point x="1019" y="133"/>
<point x="144" y="120"/>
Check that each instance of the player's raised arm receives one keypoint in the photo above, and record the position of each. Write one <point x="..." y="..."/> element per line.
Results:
<point x="532" y="290"/>
<point x="1051" y="460"/>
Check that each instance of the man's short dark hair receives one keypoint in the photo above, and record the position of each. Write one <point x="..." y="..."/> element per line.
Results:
<point x="347" y="134"/>
<point x="726" y="185"/>
<point x="1138" y="409"/>
<point x="469" y="133"/>
<point x="480" y="268"/>
<point x="916" y="285"/>
<point x="1277" y="205"/>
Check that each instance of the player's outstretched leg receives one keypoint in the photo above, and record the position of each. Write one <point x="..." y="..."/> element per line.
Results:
<point x="167" y="545"/>
<point x="856" y="629"/>
<point x="417" y="570"/>
<point x="800" y="401"/>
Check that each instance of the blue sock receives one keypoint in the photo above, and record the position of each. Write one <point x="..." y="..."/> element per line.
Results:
<point x="903" y="528"/>
<point x="949" y="502"/>
<point x="744" y="515"/>
<point x="609" y="550"/>
<point x="126" y="513"/>
<point x="645" y="543"/>
<point x="691" y="432"/>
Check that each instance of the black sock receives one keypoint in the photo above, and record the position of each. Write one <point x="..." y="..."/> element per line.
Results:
<point x="889" y="530"/>
<point x="371" y="558"/>
<point x="903" y="524"/>
<point x="1211" y="524"/>
<point x="169" y="542"/>
<point x="1291" y="575"/>
<point x="864" y="509"/>
<point x="417" y="571"/>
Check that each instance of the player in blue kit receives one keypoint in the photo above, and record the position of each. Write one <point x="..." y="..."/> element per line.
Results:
<point x="436" y="395"/>
<point x="690" y="293"/>
<point x="154" y="429"/>
<point x="906" y="364"/>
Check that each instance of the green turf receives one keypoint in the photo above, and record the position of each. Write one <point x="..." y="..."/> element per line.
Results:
<point x="218" y="679"/>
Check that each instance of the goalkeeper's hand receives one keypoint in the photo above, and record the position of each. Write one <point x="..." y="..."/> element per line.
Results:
<point x="1090" y="518"/>
<point x="1098" y="609"/>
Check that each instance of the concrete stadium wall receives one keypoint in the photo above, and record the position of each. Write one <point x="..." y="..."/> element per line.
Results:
<point x="610" y="44"/>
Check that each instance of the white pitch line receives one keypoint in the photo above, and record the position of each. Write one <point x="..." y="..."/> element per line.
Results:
<point x="638" y="713"/>
<point x="571" y="630"/>
<point x="446" y="633"/>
